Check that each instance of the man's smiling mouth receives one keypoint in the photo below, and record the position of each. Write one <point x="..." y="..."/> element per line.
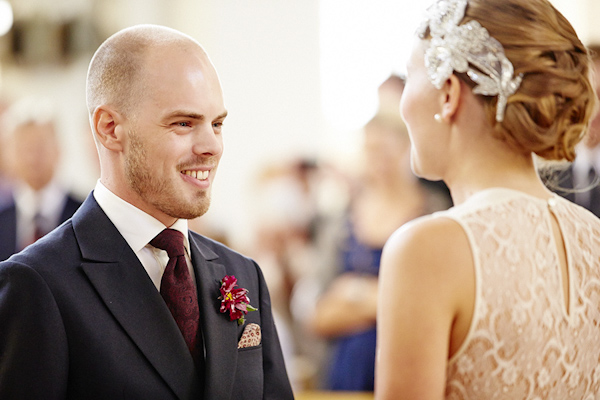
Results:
<point x="200" y="175"/>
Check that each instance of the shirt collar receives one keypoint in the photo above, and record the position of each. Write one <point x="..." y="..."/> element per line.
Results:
<point x="586" y="158"/>
<point x="47" y="201"/>
<point x="137" y="227"/>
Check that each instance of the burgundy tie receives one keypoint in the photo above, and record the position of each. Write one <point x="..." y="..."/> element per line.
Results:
<point x="178" y="290"/>
<point x="38" y="222"/>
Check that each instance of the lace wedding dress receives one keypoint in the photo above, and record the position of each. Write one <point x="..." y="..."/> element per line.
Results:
<point x="524" y="341"/>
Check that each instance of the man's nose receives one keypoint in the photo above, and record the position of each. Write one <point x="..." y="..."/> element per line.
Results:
<point x="207" y="141"/>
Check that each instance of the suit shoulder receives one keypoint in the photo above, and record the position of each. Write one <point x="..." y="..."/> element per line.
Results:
<point x="16" y="273"/>
<point x="8" y="207"/>
<point x="220" y="249"/>
<point x="52" y="250"/>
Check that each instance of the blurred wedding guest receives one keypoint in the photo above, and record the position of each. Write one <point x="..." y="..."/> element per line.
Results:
<point x="282" y="242"/>
<point x="385" y="195"/>
<point x="38" y="202"/>
<point x="5" y="186"/>
<point x="498" y="297"/>
<point x="389" y="94"/>
<point x="580" y="181"/>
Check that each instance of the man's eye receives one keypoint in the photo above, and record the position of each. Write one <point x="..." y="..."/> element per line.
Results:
<point x="182" y="123"/>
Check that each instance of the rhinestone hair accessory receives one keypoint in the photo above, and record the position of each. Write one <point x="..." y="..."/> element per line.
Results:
<point x="467" y="48"/>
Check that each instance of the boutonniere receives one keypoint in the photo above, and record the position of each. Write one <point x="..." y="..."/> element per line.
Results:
<point x="234" y="300"/>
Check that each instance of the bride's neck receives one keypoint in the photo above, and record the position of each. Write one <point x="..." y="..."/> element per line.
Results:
<point x="510" y="170"/>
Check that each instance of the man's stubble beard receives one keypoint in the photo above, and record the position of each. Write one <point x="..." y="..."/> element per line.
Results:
<point x="160" y="194"/>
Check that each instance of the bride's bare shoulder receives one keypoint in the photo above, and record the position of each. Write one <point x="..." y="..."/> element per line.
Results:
<point x="429" y="233"/>
<point x="432" y="244"/>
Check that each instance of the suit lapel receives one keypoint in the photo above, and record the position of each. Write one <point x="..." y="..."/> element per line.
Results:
<point x="220" y="334"/>
<point x="127" y="291"/>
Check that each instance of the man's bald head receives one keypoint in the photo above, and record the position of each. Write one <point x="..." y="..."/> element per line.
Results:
<point x="115" y="75"/>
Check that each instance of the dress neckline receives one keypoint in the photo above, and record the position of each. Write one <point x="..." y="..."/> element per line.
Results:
<point x="500" y="194"/>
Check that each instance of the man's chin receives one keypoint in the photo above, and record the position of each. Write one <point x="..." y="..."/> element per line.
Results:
<point x="191" y="211"/>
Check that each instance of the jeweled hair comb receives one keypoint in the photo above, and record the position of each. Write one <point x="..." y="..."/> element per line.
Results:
<point x="467" y="48"/>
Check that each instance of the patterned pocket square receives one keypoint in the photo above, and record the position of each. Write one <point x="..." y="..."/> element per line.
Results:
<point x="251" y="336"/>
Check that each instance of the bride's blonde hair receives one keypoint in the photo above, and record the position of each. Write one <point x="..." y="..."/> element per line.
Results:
<point x="549" y="113"/>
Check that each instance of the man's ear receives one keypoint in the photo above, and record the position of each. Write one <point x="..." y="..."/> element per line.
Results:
<point x="451" y="92"/>
<point x="107" y="124"/>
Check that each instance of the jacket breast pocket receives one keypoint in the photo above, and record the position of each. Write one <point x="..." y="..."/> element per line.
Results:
<point x="249" y="377"/>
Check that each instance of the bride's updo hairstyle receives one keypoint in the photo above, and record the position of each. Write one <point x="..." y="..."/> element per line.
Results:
<point x="549" y="113"/>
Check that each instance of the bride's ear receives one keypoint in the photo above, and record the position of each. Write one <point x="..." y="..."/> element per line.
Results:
<point x="450" y="97"/>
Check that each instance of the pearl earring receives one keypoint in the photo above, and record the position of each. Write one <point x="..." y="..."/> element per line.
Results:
<point x="438" y="118"/>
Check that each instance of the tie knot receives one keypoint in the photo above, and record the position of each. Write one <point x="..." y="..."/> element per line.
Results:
<point x="171" y="241"/>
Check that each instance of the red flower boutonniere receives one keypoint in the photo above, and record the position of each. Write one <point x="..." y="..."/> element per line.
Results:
<point x="234" y="300"/>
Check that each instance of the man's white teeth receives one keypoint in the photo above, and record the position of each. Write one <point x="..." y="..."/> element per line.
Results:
<point x="202" y="175"/>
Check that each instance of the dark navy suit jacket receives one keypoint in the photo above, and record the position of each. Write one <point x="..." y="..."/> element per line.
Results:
<point x="8" y="224"/>
<point x="81" y="319"/>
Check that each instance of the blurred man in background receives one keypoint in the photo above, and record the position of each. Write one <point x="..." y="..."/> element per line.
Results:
<point x="580" y="183"/>
<point x="31" y="154"/>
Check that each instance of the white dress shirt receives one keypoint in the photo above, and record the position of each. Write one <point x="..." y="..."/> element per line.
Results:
<point x="138" y="229"/>
<point x="47" y="203"/>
